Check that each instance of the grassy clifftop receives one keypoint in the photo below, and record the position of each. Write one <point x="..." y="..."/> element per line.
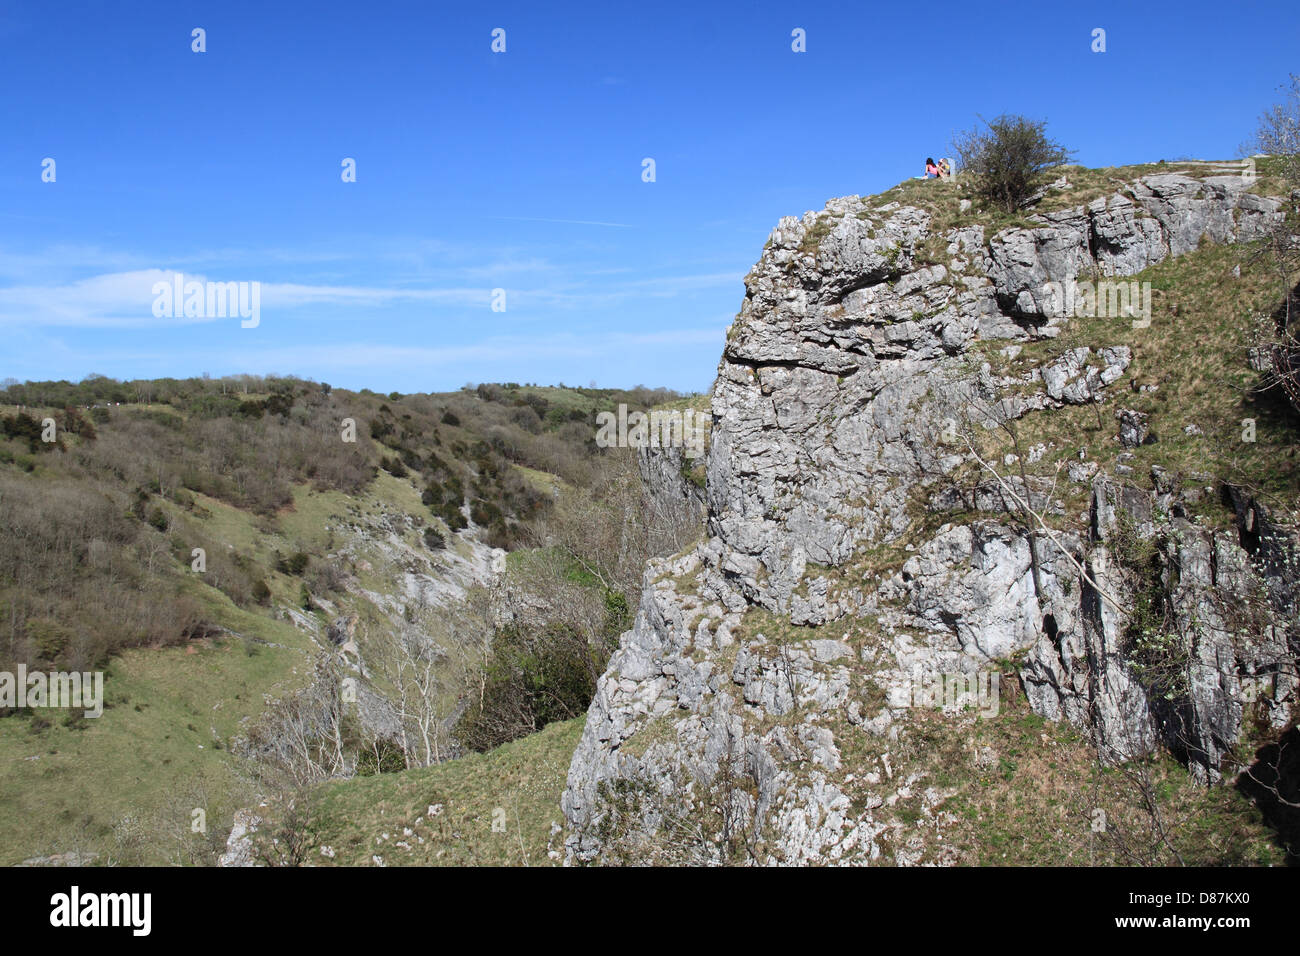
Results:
<point x="1071" y="186"/>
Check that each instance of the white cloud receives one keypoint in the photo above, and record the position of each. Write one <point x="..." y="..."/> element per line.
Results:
<point x="125" y="299"/>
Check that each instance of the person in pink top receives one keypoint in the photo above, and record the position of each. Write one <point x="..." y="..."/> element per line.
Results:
<point x="931" y="168"/>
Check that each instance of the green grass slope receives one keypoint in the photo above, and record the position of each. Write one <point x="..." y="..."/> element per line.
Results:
<point x="517" y="787"/>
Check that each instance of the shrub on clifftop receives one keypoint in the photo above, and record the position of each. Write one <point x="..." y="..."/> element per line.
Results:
<point x="1007" y="159"/>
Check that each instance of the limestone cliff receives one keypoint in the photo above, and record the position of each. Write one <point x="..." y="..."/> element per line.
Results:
<point x="874" y="347"/>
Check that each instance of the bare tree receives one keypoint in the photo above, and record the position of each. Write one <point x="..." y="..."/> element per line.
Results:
<point x="299" y="740"/>
<point x="414" y="666"/>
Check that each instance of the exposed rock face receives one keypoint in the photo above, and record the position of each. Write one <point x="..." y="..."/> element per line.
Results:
<point x="1121" y="235"/>
<point x="820" y="408"/>
<point x="666" y="471"/>
<point x="1233" y="618"/>
<point x="240" y="850"/>
<point x="832" y="414"/>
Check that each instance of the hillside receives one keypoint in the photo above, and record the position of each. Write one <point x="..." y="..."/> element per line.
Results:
<point x="235" y="566"/>
<point x="501" y="808"/>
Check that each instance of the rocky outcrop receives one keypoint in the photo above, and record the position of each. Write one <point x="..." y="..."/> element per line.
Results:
<point x="1177" y="634"/>
<point x="855" y="360"/>
<point x="1154" y="218"/>
<point x="240" y="849"/>
<point x="669" y="476"/>
<point x="824" y="409"/>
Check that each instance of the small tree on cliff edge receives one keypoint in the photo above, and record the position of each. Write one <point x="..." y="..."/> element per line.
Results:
<point x="1007" y="159"/>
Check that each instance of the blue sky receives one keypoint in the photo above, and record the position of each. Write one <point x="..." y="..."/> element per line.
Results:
<point x="523" y="170"/>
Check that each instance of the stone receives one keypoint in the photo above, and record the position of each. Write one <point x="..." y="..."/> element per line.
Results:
<point x="1133" y="428"/>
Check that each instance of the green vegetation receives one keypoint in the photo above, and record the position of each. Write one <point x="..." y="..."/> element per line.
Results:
<point x="517" y="785"/>
<point x="124" y="786"/>
<point x="112" y="515"/>
<point x="1189" y="374"/>
<point x="167" y="541"/>
<point x="1007" y="160"/>
<point x="1016" y="790"/>
<point x="543" y="668"/>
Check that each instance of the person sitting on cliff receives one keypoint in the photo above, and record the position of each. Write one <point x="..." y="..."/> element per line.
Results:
<point x="931" y="168"/>
<point x="945" y="170"/>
